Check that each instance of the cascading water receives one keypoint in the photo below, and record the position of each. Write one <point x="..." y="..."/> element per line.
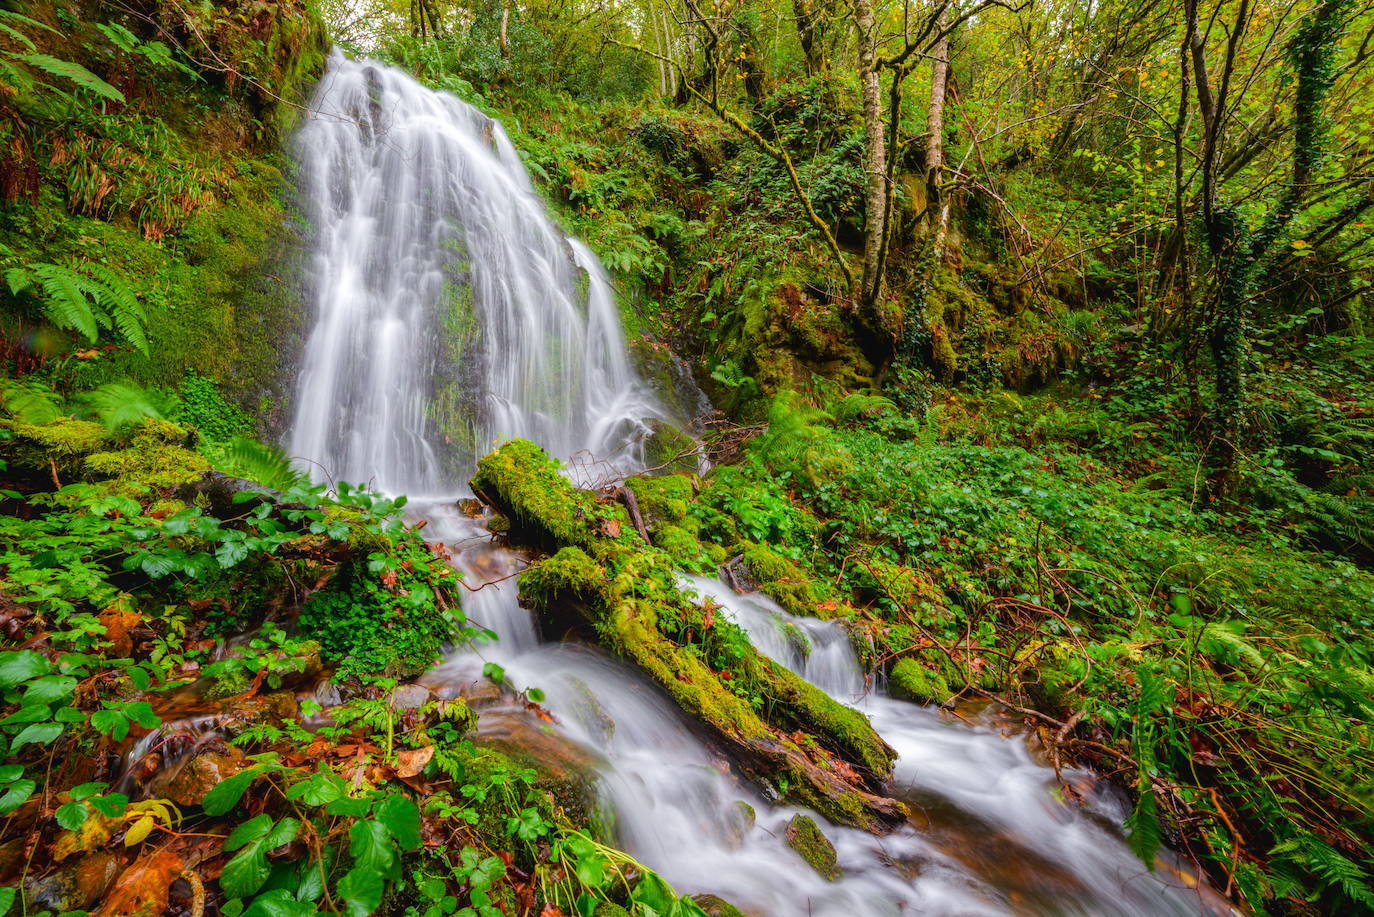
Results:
<point x="450" y="311"/>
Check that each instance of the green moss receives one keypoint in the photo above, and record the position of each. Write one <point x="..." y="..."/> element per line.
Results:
<point x="684" y="547"/>
<point x="786" y="583"/>
<point x="669" y="449"/>
<point x="540" y="503"/>
<point x="715" y="906"/>
<point x="806" y="838"/>
<point x="62" y="444"/>
<point x="663" y="498"/>
<point x="610" y="909"/>
<point x="159" y="454"/>
<point x="909" y="680"/>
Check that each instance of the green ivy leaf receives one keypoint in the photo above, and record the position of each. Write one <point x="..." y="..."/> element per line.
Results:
<point x="7" y="896"/>
<point x="111" y="723"/>
<point x="18" y="793"/>
<point x="49" y="689"/>
<point x="246" y="872"/>
<point x="280" y="903"/>
<point x="112" y="805"/>
<point x="250" y="830"/>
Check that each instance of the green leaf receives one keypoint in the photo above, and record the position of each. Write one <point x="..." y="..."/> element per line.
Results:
<point x="21" y="665"/>
<point x="349" y="807"/>
<point x="142" y="713"/>
<point x="18" y="793"/>
<point x="72" y="815"/>
<point x="226" y="795"/>
<point x="86" y="790"/>
<point x="280" y="903"/>
<point x="37" y="734"/>
<point x="402" y="818"/>
<point x="112" y="805"/>
<point x="371" y="846"/>
<point x="653" y="892"/>
<point x="320" y="788"/>
<point x="283" y="833"/>
<point x="246" y="872"/>
<point x="251" y="830"/>
<point x="111" y="723"/>
<point x="74" y="72"/>
<point x="48" y="690"/>
<point x="362" y="891"/>
<point x="7" y="896"/>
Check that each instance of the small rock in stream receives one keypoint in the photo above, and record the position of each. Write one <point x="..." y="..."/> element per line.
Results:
<point x="806" y="837"/>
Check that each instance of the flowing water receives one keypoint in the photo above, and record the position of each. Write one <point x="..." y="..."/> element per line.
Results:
<point x="451" y="311"/>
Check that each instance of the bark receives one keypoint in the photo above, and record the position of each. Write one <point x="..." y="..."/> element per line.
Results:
<point x="808" y="16"/>
<point x="937" y="206"/>
<point x="875" y="153"/>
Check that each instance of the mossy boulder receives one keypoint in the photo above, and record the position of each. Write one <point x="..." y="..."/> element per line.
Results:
<point x="811" y="844"/>
<point x="670" y="450"/>
<point x="910" y="680"/>
<point x="715" y="906"/>
<point x="160" y="454"/>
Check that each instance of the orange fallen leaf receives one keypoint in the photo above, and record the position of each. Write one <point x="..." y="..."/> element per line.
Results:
<point x="142" y="888"/>
<point x="409" y="763"/>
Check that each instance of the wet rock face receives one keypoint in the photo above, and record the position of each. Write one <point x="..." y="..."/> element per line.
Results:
<point x="202" y="773"/>
<point x="72" y="888"/>
<point x="806" y="837"/>
<point x="717" y="907"/>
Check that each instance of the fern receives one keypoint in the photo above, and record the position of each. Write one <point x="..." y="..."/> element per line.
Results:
<point x="120" y="302"/>
<point x="1143" y="823"/>
<point x="64" y="300"/>
<point x="119" y="405"/>
<point x="31" y="403"/>
<point x="74" y="72"/>
<point x="251" y="460"/>
<point x="84" y="300"/>
<point x="1331" y="866"/>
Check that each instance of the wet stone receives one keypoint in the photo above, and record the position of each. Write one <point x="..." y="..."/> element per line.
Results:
<point x="72" y="888"/>
<point x="411" y="697"/>
<point x="715" y="906"/>
<point x="806" y="837"/>
<point x="204" y="772"/>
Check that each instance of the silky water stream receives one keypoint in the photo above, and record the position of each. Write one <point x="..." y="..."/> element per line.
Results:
<point x="450" y="312"/>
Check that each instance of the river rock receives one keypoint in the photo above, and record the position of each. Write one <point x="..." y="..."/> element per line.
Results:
<point x="203" y="773"/>
<point x="715" y="906"/>
<point x="72" y="888"/>
<point x="806" y="837"/>
<point x="410" y="697"/>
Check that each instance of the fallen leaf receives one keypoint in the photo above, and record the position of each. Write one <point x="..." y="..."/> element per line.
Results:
<point x="409" y="763"/>
<point x="92" y="834"/>
<point x="551" y="911"/>
<point x="142" y="888"/>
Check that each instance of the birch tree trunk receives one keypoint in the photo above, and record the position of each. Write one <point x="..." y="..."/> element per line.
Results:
<point x="936" y="204"/>
<point x="875" y="152"/>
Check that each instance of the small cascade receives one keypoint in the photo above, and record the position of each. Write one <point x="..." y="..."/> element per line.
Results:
<point x="450" y="310"/>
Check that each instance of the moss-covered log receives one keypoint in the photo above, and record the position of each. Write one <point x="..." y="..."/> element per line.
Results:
<point x="780" y="729"/>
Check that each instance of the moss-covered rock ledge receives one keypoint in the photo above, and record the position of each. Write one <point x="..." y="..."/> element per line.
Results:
<point x="781" y="730"/>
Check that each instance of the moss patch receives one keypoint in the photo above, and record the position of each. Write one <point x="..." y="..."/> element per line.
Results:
<point x="806" y="837"/>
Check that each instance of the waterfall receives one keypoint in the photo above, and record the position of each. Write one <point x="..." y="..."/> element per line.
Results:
<point x="449" y="309"/>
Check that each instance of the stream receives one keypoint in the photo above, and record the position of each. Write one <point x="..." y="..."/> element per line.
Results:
<point x="451" y="312"/>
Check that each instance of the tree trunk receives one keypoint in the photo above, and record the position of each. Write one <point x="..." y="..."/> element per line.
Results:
<point x="875" y="153"/>
<point x="805" y="14"/>
<point x="505" y="26"/>
<point x="937" y="207"/>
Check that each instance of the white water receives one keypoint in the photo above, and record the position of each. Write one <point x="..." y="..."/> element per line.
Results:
<point x="413" y="194"/>
<point x="450" y="311"/>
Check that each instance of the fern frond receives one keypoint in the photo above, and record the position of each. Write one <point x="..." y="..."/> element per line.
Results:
<point x="251" y="460"/>
<point x="31" y="403"/>
<point x="121" y="303"/>
<point x="64" y="299"/>
<point x="74" y="72"/>
<point x="118" y="405"/>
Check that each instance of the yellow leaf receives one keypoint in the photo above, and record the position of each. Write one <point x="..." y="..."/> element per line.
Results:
<point x="140" y="830"/>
